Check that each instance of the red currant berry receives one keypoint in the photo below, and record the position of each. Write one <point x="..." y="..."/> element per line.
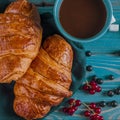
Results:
<point x="71" y="111"/>
<point x="92" y="117"/>
<point x="101" y="118"/>
<point x="92" y="105"/>
<point x="85" y="87"/>
<point x="94" y="87"/>
<point x="65" y="109"/>
<point x="96" y="116"/>
<point x="98" y="89"/>
<point x="77" y="103"/>
<point x="93" y="83"/>
<point x="74" y="107"/>
<point x="92" y="91"/>
<point x="97" y="110"/>
<point x="87" y="113"/>
<point x="71" y="101"/>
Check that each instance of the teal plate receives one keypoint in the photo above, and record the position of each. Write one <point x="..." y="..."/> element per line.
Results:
<point x="78" y="69"/>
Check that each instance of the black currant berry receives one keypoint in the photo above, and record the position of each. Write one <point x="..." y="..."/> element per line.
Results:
<point x="99" y="81"/>
<point x="89" y="68"/>
<point x="111" y="77"/>
<point x="88" y="53"/>
<point x="102" y="104"/>
<point x="117" y="91"/>
<point x="110" y="93"/>
<point x="114" y="103"/>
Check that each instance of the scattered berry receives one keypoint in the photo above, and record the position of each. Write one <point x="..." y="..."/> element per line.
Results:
<point x="102" y="104"/>
<point x="114" y="103"/>
<point x="71" y="111"/>
<point x="93" y="83"/>
<point x="97" y="110"/>
<point x="92" y="105"/>
<point x="87" y="113"/>
<point x="110" y="93"/>
<point x="94" y="87"/>
<point x="99" y="81"/>
<point x="86" y="87"/>
<point x="88" y="53"/>
<point x="111" y="77"/>
<point x="71" y="101"/>
<point x="89" y="68"/>
<point x="77" y="103"/>
<point x="94" y="117"/>
<point x="101" y="118"/>
<point x="117" y="91"/>
<point x="92" y="91"/>
<point x="98" y="89"/>
<point x="75" y="107"/>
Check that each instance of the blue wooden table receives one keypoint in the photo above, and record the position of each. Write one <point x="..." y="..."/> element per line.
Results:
<point x="104" y="64"/>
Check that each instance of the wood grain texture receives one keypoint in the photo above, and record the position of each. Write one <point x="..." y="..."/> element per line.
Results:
<point x="104" y="64"/>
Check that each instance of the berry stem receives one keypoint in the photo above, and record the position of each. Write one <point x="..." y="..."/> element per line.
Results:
<point x="88" y="107"/>
<point x="88" y="83"/>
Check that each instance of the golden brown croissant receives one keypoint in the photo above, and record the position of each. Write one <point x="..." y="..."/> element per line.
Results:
<point x="20" y="39"/>
<point x="46" y="83"/>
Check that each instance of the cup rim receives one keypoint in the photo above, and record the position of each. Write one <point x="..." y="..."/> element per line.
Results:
<point x="109" y="10"/>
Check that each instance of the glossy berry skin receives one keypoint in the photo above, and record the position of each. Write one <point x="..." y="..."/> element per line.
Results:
<point x="77" y="103"/>
<point x="117" y="91"/>
<point x="92" y="91"/>
<point x="97" y="110"/>
<point x="111" y="77"/>
<point x="71" y="101"/>
<point x="88" y="53"/>
<point x="87" y="113"/>
<point x="85" y="87"/>
<point x="94" y="117"/>
<point x="94" y="87"/>
<point x="92" y="105"/>
<point x="110" y="93"/>
<point x="101" y="118"/>
<point x="102" y="104"/>
<point x="114" y="103"/>
<point x="71" y="111"/>
<point x="99" y="81"/>
<point x="74" y="107"/>
<point x="93" y="83"/>
<point x="98" y="89"/>
<point x="89" y="68"/>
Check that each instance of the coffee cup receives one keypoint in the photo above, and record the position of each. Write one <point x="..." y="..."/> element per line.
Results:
<point x="83" y="20"/>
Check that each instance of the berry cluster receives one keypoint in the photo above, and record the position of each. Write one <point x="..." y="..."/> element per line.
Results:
<point x="92" y="87"/>
<point x="73" y="106"/>
<point x="93" y="112"/>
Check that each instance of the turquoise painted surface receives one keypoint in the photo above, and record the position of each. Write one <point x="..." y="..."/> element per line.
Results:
<point x="104" y="64"/>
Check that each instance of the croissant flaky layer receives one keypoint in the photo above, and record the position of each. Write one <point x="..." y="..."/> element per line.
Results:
<point x="46" y="83"/>
<point x="20" y="39"/>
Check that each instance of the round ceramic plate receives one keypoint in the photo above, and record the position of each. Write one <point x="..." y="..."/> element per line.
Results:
<point x="78" y="70"/>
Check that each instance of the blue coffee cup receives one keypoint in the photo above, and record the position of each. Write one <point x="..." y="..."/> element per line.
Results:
<point x="109" y="13"/>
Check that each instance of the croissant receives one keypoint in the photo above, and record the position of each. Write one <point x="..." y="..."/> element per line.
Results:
<point x="46" y="83"/>
<point x="20" y="39"/>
